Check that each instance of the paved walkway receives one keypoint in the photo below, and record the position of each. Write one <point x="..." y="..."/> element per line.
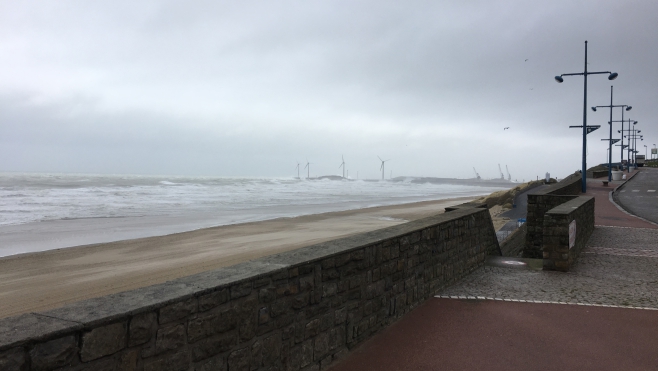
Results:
<point x="511" y="315"/>
<point x="445" y="334"/>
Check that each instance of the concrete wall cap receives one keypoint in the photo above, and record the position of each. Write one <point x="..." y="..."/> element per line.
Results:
<point x="18" y="330"/>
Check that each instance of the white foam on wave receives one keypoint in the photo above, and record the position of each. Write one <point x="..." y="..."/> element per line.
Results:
<point x="181" y="203"/>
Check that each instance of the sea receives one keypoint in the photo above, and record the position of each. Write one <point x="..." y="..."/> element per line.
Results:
<point x="49" y="211"/>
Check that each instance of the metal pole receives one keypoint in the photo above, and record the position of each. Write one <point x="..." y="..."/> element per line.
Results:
<point x="621" y="163"/>
<point x="634" y="145"/>
<point x="610" y="140"/>
<point x="584" y="174"/>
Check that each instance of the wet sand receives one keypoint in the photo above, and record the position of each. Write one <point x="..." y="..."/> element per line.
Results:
<point x="50" y="279"/>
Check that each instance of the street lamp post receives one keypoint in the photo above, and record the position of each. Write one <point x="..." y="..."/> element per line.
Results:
<point x="629" y="141"/>
<point x="635" y="151"/>
<point x="634" y="137"/>
<point x="612" y="76"/>
<point x="611" y="106"/>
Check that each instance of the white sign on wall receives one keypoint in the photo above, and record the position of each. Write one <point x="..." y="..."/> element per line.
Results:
<point x="572" y="234"/>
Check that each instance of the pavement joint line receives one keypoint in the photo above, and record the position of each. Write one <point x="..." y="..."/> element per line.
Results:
<point x="617" y="226"/>
<point x="545" y="302"/>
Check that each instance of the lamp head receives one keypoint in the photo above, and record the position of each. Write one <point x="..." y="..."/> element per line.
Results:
<point x="594" y="109"/>
<point x="559" y="79"/>
<point x="613" y="76"/>
<point x="629" y="108"/>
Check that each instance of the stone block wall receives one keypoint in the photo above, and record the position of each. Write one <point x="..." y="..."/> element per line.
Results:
<point x="597" y="173"/>
<point x="557" y="253"/>
<point x="539" y="203"/>
<point x="299" y="310"/>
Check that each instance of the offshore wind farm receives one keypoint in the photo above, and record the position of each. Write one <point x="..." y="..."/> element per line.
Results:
<point x="501" y="180"/>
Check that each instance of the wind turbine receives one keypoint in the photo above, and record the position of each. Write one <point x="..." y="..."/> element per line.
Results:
<point x="382" y="167"/>
<point x="342" y="164"/>
<point x="298" y="169"/>
<point x="308" y="174"/>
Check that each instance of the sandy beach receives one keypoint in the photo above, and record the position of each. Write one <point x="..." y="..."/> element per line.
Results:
<point x="45" y="280"/>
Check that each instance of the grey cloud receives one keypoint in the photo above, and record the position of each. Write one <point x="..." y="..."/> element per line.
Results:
<point x="262" y="83"/>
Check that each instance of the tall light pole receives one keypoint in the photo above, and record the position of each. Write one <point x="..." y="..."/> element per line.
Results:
<point x="612" y="76"/>
<point x="610" y="141"/>
<point x="629" y="140"/>
<point x="633" y="137"/>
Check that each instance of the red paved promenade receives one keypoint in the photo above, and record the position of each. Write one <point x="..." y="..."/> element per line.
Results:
<point x="455" y="334"/>
<point x="449" y="334"/>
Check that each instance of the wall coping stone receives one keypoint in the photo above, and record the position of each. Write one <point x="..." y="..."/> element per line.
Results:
<point x="570" y="206"/>
<point x="556" y="187"/>
<point x="16" y="331"/>
<point x="87" y="314"/>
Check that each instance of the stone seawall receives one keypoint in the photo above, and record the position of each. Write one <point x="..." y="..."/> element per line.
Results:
<point x="558" y="253"/>
<point x="539" y="203"/>
<point x="298" y="310"/>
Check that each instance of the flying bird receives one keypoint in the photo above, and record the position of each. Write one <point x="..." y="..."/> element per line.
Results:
<point x="526" y="59"/>
<point x="506" y="128"/>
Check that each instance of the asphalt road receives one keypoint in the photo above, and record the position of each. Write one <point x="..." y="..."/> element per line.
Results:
<point x="639" y="195"/>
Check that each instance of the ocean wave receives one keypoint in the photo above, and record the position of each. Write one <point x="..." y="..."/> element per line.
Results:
<point x="70" y="197"/>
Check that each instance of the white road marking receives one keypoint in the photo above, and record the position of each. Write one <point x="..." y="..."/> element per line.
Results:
<point x="546" y="302"/>
<point x="651" y="190"/>
<point x="635" y="190"/>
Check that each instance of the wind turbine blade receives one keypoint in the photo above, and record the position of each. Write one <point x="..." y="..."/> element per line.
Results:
<point x="381" y="167"/>
<point x="380" y="159"/>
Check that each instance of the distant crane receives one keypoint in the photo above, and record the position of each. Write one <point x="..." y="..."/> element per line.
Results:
<point x="382" y="167"/>
<point x="342" y="164"/>
<point x="477" y="176"/>
<point x="502" y="176"/>
<point x="509" y="177"/>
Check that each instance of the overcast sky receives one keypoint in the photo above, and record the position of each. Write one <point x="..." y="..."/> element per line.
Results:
<point x="247" y="88"/>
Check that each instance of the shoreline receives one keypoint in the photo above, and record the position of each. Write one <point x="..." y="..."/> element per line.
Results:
<point x="41" y="236"/>
<point x="49" y="279"/>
